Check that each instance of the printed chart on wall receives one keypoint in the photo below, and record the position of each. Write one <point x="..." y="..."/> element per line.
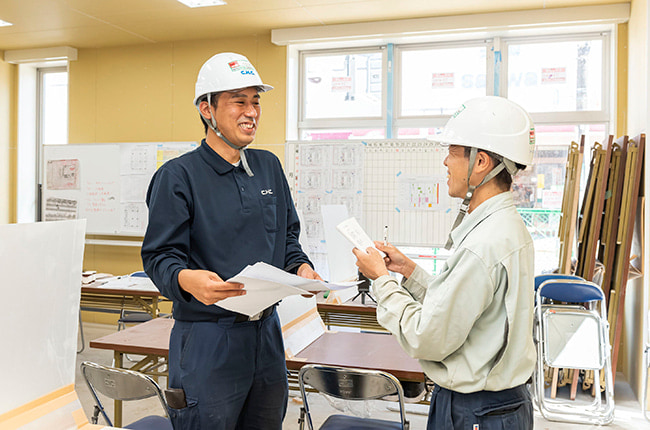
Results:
<point x="398" y="183"/>
<point x="105" y="184"/>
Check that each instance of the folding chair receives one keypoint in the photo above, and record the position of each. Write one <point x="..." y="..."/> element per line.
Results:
<point x="540" y="279"/>
<point x="350" y="384"/>
<point x="122" y="384"/>
<point x="571" y="332"/>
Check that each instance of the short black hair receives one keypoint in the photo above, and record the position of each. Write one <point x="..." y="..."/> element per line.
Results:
<point x="503" y="179"/>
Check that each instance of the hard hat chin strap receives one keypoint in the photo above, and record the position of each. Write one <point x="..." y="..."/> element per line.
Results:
<point x="464" y="206"/>
<point x="213" y="126"/>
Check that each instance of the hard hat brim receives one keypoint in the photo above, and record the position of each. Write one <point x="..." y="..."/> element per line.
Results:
<point x="260" y="88"/>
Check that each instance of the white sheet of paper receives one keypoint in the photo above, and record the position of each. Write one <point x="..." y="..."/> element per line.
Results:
<point x="353" y="232"/>
<point x="128" y="283"/>
<point x="266" y="285"/>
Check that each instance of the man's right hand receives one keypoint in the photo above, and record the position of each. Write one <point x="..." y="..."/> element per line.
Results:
<point x="395" y="260"/>
<point x="207" y="287"/>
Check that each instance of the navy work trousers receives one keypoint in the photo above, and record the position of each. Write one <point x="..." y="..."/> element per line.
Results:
<point x="510" y="409"/>
<point x="233" y="374"/>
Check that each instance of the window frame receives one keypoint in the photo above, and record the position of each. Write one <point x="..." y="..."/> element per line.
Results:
<point x="496" y="81"/>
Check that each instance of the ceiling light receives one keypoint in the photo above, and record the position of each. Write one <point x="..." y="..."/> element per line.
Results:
<point x="202" y="3"/>
<point x="5" y="23"/>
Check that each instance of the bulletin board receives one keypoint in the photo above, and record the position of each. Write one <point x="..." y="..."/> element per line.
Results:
<point x="397" y="183"/>
<point x="106" y="184"/>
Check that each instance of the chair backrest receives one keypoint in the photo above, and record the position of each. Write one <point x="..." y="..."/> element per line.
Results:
<point x="119" y="384"/>
<point x="351" y="384"/>
<point x="570" y="290"/>
<point x="540" y="279"/>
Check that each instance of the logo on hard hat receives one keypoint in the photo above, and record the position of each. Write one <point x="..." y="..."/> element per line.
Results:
<point x="460" y="109"/>
<point x="242" y="66"/>
<point x="531" y="136"/>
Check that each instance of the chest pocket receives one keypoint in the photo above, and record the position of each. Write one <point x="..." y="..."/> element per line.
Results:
<point x="270" y="213"/>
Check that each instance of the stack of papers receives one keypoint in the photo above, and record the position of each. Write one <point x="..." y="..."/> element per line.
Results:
<point x="266" y="285"/>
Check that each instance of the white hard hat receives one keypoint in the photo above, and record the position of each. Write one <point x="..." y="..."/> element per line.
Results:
<point x="225" y="72"/>
<point x="493" y="124"/>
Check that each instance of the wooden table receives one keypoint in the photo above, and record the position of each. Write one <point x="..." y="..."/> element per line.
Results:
<point x="362" y="350"/>
<point x="98" y="299"/>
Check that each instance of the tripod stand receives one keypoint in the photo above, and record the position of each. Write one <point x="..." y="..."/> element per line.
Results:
<point x="364" y="289"/>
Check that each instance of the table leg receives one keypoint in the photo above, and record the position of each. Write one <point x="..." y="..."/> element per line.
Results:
<point x="117" y="415"/>
<point x="154" y="305"/>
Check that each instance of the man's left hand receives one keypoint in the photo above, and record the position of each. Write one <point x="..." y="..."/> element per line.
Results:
<point x="305" y="271"/>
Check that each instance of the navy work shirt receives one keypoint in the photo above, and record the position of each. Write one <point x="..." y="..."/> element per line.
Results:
<point x="205" y="213"/>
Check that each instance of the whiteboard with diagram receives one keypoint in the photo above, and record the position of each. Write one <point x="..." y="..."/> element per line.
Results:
<point x="396" y="183"/>
<point x="105" y="184"/>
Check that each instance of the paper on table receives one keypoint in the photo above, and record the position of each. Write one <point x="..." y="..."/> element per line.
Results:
<point x="127" y="282"/>
<point x="266" y="285"/>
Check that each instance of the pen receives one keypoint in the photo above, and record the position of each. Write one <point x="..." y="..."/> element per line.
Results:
<point x="385" y="235"/>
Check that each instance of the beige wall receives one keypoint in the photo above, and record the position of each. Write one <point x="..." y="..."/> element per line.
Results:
<point x="8" y="86"/>
<point x="144" y="93"/>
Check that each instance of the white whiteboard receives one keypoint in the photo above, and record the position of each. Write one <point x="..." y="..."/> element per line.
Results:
<point x="105" y="184"/>
<point x="399" y="183"/>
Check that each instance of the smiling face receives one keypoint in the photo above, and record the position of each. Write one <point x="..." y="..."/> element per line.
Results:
<point x="238" y="114"/>
<point x="457" y="164"/>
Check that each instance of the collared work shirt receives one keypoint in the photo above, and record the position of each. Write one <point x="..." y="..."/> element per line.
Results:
<point x="471" y="325"/>
<point x="205" y="213"/>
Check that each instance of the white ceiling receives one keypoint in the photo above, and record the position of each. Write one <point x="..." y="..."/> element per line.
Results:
<point x="102" y="23"/>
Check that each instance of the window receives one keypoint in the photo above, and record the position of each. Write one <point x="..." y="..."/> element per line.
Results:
<point x="343" y="86"/>
<point x="53" y="100"/>
<point x="42" y="120"/>
<point x="558" y="76"/>
<point x="339" y="89"/>
<point x="434" y="81"/>
<point x="410" y="90"/>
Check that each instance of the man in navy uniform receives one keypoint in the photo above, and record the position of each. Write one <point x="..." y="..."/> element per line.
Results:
<point x="212" y="212"/>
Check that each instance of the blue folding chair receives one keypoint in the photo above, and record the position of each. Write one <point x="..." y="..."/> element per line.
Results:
<point x="571" y="332"/>
<point x="540" y="279"/>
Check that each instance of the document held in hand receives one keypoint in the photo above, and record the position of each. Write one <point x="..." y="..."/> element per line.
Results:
<point x="266" y="285"/>
<point x="353" y="232"/>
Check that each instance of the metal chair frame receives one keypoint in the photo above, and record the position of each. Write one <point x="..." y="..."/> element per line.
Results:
<point x="350" y="384"/>
<point x="576" y="306"/>
<point x="119" y="384"/>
